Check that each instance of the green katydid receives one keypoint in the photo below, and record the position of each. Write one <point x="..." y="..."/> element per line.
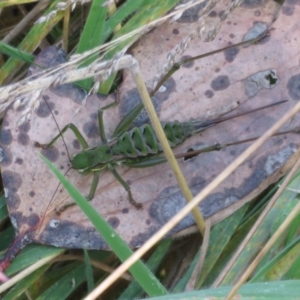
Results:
<point x="136" y="148"/>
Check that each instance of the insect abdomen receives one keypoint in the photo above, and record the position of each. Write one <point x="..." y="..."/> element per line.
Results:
<point x="142" y="141"/>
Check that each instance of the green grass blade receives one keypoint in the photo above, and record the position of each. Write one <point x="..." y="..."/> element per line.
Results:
<point x="66" y="285"/>
<point x="88" y="271"/>
<point x="134" y="291"/>
<point x="30" y="255"/>
<point x="123" y="12"/>
<point x="283" y="206"/>
<point x="143" y="16"/>
<point x="32" y="40"/>
<point x="92" y="35"/>
<point x="26" y="283"/>
<point x="141" y="273"/>
<point x="15" y="53"/>
<point x="6" y="237"/>
<point x="3" y="209"/>
<point x="219" y="238"/>
<point x="279" y="264"/>
<point x="277" y="290"/>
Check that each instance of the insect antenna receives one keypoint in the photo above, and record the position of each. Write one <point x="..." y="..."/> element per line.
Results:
<point x="58" y="128"/>
<point x="44" y="215"/>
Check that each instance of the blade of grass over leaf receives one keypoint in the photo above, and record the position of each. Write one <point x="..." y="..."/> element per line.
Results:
<point x="31" y="42"/>
<point x="92" y="35"/>
<point x="145" y="14"/>
<point x="15" y="53"/>
<point x="140" y="272"/>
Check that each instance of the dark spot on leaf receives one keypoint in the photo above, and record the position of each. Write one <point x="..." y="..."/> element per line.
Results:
<point x="264" y="40"/>
<point x="46" y="97"/>
<point x="32" y="220"/>
<point x="217" y="70"/>
<point x="230" y="54"/>
<point x="11" y="180"/>
<point x="221" y="14"/>
<point x="293" y="2"/>
<point x="293" y="87"/>
<point x="197" y="184"/>
<point x="52" y="153"/>
<point x="191" y="15"/>
<point x="72" y="235"/>
<point x="21" y="107"/>
<point x="6" y="158"/>
<point x="76" y="144"/>
<point x="56" y="112"/>
<point x="125" y="211"/>
<point x="113" y="222"/>
<point x="13" y="200"/>
<point x="94" y="117"/>
<point x="209" y="94"/>
<point x="130" y="101"/>
<point x="5" y="123"/>
<point x="188" y="64"/>
<point x="16" y="218"/>
<point x="25" y="126"/>
<point x="63" y="153"/>
<point x="288" y="10"/>
<point x="139" y="239"/>
<point x="255" y="31"/>
<point x="252" y="3"/>
<point x="170" y="87"/>
<point x="19" y="161"/>
<point x="216" y="202"/>
<point x="213" y="14"/>
<point x="91" y="130"/>
<point x="166" y="204"/>
<point x="43" y="110"/>
<point x="23" y="139"/>
<point x="30" y="209"/>
<point x="51" y="57"/>
<point x="148" y="221"/>
<point x="257" y="13"/>
<point x="231" y="35"/>
<point x="175" y="31"/>
<point x="71" y="91"/>
<point x="31" y="193"/>
<point x="6" y="137"/>
<point x="220" y="83"/>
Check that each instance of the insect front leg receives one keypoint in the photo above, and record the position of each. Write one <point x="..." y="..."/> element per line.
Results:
<point x="76" y="132"/>
<point x="96" y="177"/>
<point x="126" y="187"/>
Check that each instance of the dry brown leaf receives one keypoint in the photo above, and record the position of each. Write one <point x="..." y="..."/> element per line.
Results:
<point x="198" y="87"/>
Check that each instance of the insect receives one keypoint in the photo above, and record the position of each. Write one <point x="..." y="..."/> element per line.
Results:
<point x="136" y="148"/>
